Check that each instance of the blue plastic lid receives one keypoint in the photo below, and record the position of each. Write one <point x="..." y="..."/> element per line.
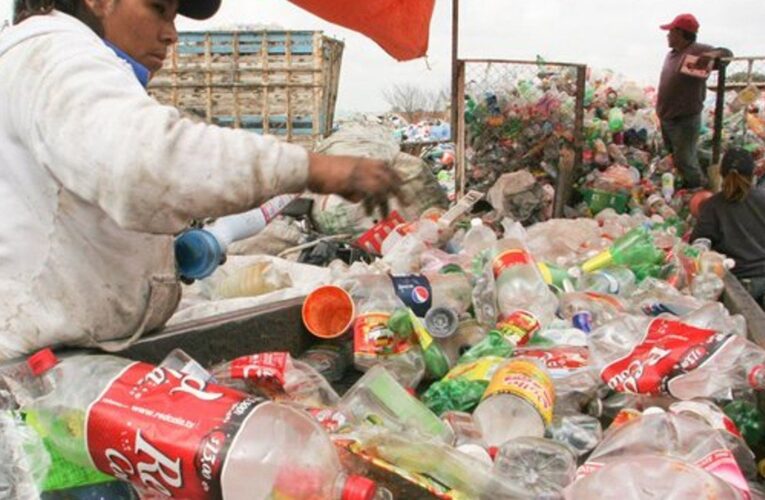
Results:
<point x="583" y="321"/>
<point x="197" y="254"/>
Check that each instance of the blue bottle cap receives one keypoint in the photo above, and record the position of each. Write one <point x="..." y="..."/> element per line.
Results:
<point x="583" y="321"/>
<point x="197" y="254"/>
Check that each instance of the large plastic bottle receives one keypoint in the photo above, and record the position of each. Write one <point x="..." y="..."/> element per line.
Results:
<point x="525" y="302"/>
<point x="198" y="252"/>
<point x="518" y="402"/>
<point x="174" y="435"/>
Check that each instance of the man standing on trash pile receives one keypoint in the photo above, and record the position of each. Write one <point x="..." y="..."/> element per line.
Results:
<point x="734" y="221"/>
<point x="681" y="95"/>
<point x="96" y="176"/>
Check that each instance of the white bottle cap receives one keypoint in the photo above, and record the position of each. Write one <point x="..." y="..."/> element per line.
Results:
<point x="475" y="221"/>
<point x="653" y="410"/>
<point x="477" y="452"/>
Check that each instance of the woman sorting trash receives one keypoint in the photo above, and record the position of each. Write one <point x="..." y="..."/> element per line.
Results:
<point x="734" y="221"/>
<point x="96" y="177"/>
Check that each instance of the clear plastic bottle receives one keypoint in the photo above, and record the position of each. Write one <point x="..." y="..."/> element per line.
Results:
<point x="168" y="433"/>
<point x="707" y="287"/>
<point x="468" y="437"/>
<point x="587" y="310"/>
<point x="525" y="302"/>
<point x="279" y="376"/>
<point x="540" y="466"/>
<point x="613" y="280"/>
<point x="331" y="359"/>
<point x="518" y="402"/>
<point x="478" y="238"/>
<point x="379" y="397"/>
<point x="375" y="343"/>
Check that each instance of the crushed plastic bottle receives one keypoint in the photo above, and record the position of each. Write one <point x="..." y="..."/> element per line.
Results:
<point x="665" y="356"/>
<point x="278" y="376"/>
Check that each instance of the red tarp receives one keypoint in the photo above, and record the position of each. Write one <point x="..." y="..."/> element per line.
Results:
<point x="401" y="27"/>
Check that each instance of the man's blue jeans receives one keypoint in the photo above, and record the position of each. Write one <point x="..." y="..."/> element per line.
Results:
<point x="681" y="137"/>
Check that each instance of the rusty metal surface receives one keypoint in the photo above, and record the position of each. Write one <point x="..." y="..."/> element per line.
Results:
<point x="738" y="301"/>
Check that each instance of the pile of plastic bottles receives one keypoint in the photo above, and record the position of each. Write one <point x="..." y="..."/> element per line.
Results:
<point x="585" y="358"/>
<point x="423" y="131"/>
<point x="528" y="123"/>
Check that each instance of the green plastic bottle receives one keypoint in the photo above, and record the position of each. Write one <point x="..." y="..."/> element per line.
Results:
<point x="436" y="362"/>
<point x="463" y="387"/>
<point x="494" y="344"/>
<point x="748" y="419"/>
<point x="636" y="248"/>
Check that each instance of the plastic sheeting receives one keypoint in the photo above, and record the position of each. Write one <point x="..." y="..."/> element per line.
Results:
<point x="400" y="27"/>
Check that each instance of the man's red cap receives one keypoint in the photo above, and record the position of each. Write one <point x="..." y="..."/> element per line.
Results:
<point x="685" y="22"/>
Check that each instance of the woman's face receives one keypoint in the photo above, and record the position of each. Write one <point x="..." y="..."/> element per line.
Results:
<point x="144" y="29"/>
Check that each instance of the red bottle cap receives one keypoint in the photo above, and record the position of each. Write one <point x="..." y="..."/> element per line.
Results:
<point x="359" y="488"/>
<point x="493" y="450"/>
<point x="42" y="361"/>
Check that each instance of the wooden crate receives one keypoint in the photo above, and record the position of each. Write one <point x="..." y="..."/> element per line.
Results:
<point x="282" y="83"/>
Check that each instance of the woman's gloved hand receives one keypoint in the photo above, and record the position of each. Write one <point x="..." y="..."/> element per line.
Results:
<point x="355" y="178"/>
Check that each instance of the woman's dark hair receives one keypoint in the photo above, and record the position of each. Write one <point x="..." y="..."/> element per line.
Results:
<point x="688" y="36"/>
<point x="24" y="9"/>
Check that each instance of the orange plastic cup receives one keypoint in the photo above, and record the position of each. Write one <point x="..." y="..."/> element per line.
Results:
<point x="328" y="311"/>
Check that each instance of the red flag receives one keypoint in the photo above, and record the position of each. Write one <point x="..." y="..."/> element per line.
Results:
<point x="400" y="27"/>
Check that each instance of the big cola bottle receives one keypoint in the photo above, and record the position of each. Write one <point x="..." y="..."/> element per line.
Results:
<point x="173" y="435"/>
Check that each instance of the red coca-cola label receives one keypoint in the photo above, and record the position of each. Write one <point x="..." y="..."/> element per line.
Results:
<point x="164" y="431"/>
<point x="667" y="350"/>
<point x="510" y="258"/>
<point x="264" y="366"/>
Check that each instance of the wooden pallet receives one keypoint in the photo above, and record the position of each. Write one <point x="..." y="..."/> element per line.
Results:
<point x="270" y="82"/>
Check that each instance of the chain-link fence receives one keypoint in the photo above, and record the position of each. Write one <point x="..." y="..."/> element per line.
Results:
<point x="520" y="115"/>
<point x="740" y="106"/>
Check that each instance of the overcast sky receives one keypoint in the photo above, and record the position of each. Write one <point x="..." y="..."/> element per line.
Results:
<point x="623" y="36"/>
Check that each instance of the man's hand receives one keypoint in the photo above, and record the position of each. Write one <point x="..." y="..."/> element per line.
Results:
<point x="354" y="178"/>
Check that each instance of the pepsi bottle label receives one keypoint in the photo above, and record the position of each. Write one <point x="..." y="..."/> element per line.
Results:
<point x="415" y="292"/>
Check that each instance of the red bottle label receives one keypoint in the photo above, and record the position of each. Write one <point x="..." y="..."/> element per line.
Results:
<point x="372" y="338"/>
<point x="668" y="350"/>
<point x="164" y="431"/>
<point x="518" y="327"/>
<point x="510" y="258"/>
<point x="559" y="360"/>
<point x="264" y="366"/>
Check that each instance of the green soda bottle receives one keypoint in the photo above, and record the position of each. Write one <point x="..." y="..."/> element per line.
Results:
<point x="494" y="344"/>
<point x="748" y="419"/>
<point x="633" y="249"/>
<point x="436" y="362"/>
